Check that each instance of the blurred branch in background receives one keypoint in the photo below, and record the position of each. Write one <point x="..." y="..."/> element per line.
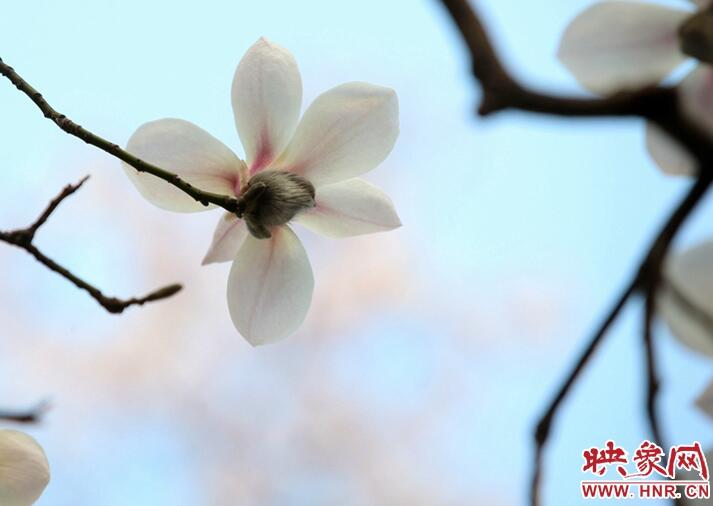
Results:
<point x="31" y="415"/>
<point x="659" y="104"/>
<point x="23" y="238"/>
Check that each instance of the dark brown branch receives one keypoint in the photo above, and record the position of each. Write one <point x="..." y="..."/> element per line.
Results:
<point x="228" y="203"/>
<point x="23" y="238"/>
<point x="500" y="91"/>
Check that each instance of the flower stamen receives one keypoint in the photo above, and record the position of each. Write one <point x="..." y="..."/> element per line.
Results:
<point x="272" y="198"/>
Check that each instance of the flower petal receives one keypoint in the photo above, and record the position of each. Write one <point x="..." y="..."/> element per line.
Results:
<point x="686" y="302"/>
<point x="229" y="235"/>
<point x="181" y="147"/>
<point x="618" y="44"/>
<point x="24" y="470"/>
<point x="696" y="92"/>
<point x="696" y="98"/>
<point x="705" y="400"/>
<point x="667" y="153"/>
<point x="267" y="96"/>
<point x="347" y="131"/>
<point x="352" y="207"/>
<point x="270" y="287"/>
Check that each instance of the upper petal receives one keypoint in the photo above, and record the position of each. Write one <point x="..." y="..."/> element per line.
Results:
<point x="618" y="44"/>
<point x="181" y="147"/>
<point x="352" y="207"/>
<point x="229" y="235"/>
<point x="668" y="153"/>
<point x="347" y="131"/>
<point x="270" y="287"/>
<point x="266" y="96"/>
<point x="686" y="301"/>
<point x="24" y="470"/>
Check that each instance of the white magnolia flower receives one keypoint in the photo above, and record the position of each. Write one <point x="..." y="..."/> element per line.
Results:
<point x="295" y="171"/>
<point x="686" y="300"/>
<point x="24" y="470"/>
<point x="614" y="45"/>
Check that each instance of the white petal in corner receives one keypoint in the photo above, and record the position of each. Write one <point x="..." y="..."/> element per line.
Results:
<point x="667" y="153"/>
<point x="267" y="96"/>
<point x="705" y="401"/>
<point x="181" y="147"/>
<point x="352" y="207"/>
<point x="618" y="44"/>
<point x="270" y="287"/>
<point x="228" y="237"/>
<point x="347" y="131"/>
<point x="24" y="470"/>
<point x="691" y="273"/>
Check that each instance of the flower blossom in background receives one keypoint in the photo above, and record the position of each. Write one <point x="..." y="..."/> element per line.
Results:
<point x="615" y="45"/>
<point x="295" y="170"/>
<point x="24" y="470"/>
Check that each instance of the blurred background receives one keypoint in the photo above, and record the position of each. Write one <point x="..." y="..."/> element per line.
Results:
<point x="428" y="352"/>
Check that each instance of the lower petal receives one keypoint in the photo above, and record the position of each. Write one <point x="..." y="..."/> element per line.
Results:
<point x="349" y="208"/>
<point x="667" y="153"/>
<point x="229" y="235"/>
<point x="686" y="301"/>
<point x="270" y="287"/>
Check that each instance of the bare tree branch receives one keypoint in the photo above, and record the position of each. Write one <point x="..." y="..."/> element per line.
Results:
<point x="228" y="203"/>
<point x="23" y="238"/>
<point x="656" y="103"/>
<point x="501" y="91"/>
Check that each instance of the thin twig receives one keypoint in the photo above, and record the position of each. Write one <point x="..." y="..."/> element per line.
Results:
<point x="228" y="203"/>
<point x="23" y="238"/>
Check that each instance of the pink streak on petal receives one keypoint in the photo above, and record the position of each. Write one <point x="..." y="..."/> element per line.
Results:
<point x="236" y="184"/>
<point x="264" y="154"/>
